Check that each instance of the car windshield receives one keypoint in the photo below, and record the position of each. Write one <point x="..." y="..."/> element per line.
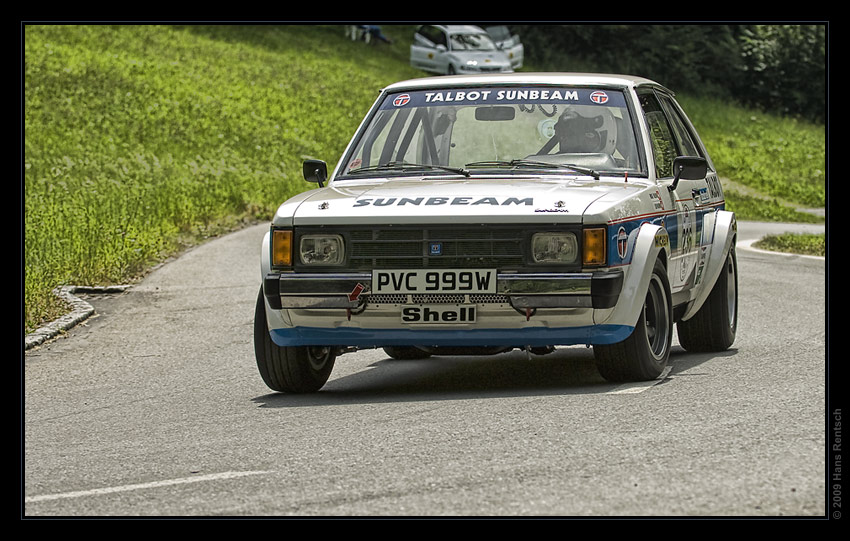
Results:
<point x="464" y="131"/>
<point x="471" y="42"/>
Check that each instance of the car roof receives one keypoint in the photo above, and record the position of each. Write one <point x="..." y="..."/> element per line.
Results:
<point x="460" y="28"/>
<point x="526" y="78"/>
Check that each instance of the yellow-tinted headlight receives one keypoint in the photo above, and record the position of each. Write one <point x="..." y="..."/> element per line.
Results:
<point x="281" y="248"/>
<point x="593" y="254"/>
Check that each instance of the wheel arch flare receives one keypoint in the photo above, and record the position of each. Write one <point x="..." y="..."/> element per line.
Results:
<point x="647" y="243"/>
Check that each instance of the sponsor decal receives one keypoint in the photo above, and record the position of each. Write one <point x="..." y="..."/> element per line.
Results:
<point x="438" y="314"/>
<point x="700" y="196"/>
<point x="622" y="242"/>
<point x="657" y="201"/>
<point x="495" y="96"/>
<point x="714" y="188"/>
<point x="599" y="97"/>
<point x="703" y="255"/>
<point x="501" y="95"/>
<point x="435" y="201"/>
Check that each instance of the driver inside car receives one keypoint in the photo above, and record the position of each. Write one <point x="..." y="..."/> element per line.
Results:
<point x="577" y="134"/>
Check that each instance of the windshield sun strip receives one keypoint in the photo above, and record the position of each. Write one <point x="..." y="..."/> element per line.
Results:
<point x="618" y="97"/>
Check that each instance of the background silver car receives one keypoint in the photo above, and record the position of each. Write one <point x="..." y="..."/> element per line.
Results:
<point x="450" y="49"/>
<point x="508" y="42"/>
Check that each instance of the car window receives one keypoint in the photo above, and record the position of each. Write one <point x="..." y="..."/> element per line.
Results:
<point x="687" y="147"/>
<point x="585" y="127"/>
<point x="661" y="135"/>
<point x="472" y="42"/>
<point x="434" y="35"/>
<point x="498" y="33"/>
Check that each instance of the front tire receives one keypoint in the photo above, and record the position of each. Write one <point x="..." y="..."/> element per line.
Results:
<point x="644" y="354"/>
<point x="289" y="369"/>
<point x="714" y="326"/>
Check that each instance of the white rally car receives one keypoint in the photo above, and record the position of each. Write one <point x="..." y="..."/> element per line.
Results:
<point x="479" y="214"/>
<point x="461" y="49"/>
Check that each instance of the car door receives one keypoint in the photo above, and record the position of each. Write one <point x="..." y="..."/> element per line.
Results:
<point x="507" y="42"/>
<point x="692" y="199"/>
<point x="424" y="51"/>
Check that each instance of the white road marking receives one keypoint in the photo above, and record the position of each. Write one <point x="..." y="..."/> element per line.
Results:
<point x="641" y="386"/>
<point x="140" y="486"/>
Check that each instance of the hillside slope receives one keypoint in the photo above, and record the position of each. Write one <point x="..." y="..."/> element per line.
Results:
<point x="138" y="138"/>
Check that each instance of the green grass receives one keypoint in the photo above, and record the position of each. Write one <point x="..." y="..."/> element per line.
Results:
<point x="765" y="209"/>
<point x="794" y="243"/>
<point x="140" y="140"/>
<point x="781" y="157"/>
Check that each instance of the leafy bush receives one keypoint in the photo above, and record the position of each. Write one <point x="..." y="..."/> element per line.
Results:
<point x="778" y="68"/>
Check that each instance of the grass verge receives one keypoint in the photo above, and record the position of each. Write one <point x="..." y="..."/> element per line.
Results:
<point x="795" y="243"/>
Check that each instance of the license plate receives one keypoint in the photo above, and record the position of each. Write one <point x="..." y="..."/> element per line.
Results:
<point x="439" y="313"/>
<point x="437" y="281"/>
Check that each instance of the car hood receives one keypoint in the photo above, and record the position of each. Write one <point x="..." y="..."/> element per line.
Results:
<point x="494" y="57"/>
<point x="475" y="200"/>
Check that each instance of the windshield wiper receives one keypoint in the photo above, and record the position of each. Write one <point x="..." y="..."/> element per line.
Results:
<point x="400" y="165"/>
<point x="533" y="163"/>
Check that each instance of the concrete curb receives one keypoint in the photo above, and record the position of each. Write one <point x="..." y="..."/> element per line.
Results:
<point x="80" y="311"/>
<point x="748" y="245"/>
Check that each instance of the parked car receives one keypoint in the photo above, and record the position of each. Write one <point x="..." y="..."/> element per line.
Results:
<point x="480" y="214"/>
<point x="508" y="42"/>
<point x="457" y="49"/>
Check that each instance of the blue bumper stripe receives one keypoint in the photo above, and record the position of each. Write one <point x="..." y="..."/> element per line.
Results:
<point x="543" y="336"/>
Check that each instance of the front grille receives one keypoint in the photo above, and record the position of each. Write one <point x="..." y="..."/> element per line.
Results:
<point x="436" y="247"/>
<point x="396" y="298"/>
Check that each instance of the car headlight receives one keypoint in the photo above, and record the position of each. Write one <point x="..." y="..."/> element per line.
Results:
<point x="322" y="250"/>
<point x="554" y="248"/>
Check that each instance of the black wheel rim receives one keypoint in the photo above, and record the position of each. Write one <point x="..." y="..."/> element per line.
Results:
<point x="318" y="356"/>
<point x="731" y="290"/>
<point x="657" y="318"/>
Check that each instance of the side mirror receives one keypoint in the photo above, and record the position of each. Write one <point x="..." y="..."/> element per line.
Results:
<point x="315" y="171"/>
<point x="688" y="168"/>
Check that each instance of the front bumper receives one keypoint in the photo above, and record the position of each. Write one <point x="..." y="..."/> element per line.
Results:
<point x="522" y="290"/>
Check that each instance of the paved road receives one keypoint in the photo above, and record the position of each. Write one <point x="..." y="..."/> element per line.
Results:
<point x="154" y="408"/>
